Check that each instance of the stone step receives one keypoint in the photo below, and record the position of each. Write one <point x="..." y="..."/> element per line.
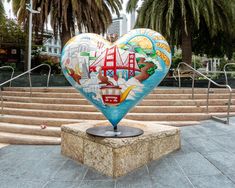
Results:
<point x="54" y="114"/>
<point x="145" y="102"/>
<point x="182" y="109"/>
<point x="99" y="116"/>
<point x="168" y="116"/>
<point x="184" y="102"/>
<point x="150" y="96"/>
<point x="53" y="107"/>
<point x="30" y="129"/>
<point x="137" y="109"/>
<point x="188" y="90"/>
<point x="43" y="89"/>
<point x="42" y="106"/>
<point x="13" y="138"/>
<point x="57" y="122"/>
<point x="175" y="116"/>
<point x="45" y="100"/>
<point x="158" y="90"/>
<point x="29" y="120"/>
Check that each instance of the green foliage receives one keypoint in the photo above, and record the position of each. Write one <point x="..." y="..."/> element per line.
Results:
<point x="233" y="56"/>
<point x="217" y="15"/>
<point x="11" y="33"/>
<point x="214" y="46"/>
<point x="2" y="13"/>
<point x="210" y="23"/>
<point x="230" y="67"/>
<point x="52" y="61"/>
<point x="223" y="62"/>
<point x="176" y="59"/>
<point x="90" y="16"/>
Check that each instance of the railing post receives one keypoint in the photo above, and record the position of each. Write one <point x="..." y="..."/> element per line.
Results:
<point x="1" y="101"/>
<point x="208" y="89"/>
<point x="207" y="99"/>
<point x="30" y="84"/>
<point x="179" y="77"/>
<point x="225" y="72"/>
<point x="30" y="81"/>
<point x="226" y="77"/>
<point x="229" y="103"/>
<point x="49" y="74"/>
<point x="12" y="74"/>
<point x="193" y="82"/>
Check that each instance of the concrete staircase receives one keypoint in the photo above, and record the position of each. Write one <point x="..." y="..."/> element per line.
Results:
<point x="23" y="116"/>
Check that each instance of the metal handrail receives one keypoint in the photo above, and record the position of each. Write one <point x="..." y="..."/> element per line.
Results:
<point x="9" y="67"/>
<point x="226" y="72"/>
<point x="208" y="89"/>
<point x="30" y="81"/>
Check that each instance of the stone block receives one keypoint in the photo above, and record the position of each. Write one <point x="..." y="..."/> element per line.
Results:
<point x="117" y="156"/>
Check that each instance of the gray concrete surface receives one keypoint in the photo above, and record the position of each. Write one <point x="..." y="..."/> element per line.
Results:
<point x="206" y="160"/>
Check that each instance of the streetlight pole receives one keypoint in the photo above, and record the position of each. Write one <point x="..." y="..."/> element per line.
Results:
<point x="29" y="7"/>
<point x="30" y="34"/>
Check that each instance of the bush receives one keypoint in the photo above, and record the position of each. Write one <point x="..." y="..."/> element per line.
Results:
<point x="52" y="61"/>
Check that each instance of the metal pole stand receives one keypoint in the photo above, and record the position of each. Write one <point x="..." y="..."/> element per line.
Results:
<point x="114" y="131"/>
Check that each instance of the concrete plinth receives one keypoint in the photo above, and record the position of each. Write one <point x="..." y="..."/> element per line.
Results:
<point x="117" y="156"/>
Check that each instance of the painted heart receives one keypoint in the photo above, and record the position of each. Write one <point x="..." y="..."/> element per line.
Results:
<point x="115" y="77"/>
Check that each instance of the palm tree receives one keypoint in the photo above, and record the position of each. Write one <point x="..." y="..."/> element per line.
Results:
<point x="178" y="19"/>
<point x="2" y="13"/>
<point x="65" y="15"/>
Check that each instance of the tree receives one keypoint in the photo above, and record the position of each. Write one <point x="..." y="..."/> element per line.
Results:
<point x="89" y="16"/>
<point x="179" y="19"/>
<point x="2" y="13"/>
<point x="11" y="33"/>
<point x="12" y="40"/>
<point x="214" y="46"/>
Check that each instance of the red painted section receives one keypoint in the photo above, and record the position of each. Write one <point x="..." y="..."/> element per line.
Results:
<point x="111" y="99"/>
<point x="110" y="63"/>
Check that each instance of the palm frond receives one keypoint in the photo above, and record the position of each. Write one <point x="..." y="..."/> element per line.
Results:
<point x="131" y="5"/>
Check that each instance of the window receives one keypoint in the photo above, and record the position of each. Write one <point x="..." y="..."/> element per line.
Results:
<point x="55" y="50"/>
<point x="49" y="50"/>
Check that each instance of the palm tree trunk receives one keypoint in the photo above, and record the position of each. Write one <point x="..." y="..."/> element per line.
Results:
<point x="65" y="35"/>
<point x="186" y="45"/>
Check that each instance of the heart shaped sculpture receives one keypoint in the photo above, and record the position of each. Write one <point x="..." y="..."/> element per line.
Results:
<point x="115" y="77"/>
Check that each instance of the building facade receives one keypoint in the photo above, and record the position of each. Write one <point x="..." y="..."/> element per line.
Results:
<point x="52" y="47"/>
<point x="118" y="26"/>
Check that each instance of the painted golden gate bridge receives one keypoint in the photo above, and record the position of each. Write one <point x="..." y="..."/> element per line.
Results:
<point x="110" y="61"/>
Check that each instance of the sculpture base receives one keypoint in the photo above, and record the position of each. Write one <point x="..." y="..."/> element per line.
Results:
<point x="111" y="132"/>
<point x="117" y="156"/>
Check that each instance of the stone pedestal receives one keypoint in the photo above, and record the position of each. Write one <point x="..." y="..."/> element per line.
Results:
<point x="117" y="156"/>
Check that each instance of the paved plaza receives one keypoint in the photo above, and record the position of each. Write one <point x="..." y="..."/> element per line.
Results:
<point x="206" y="159"/>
